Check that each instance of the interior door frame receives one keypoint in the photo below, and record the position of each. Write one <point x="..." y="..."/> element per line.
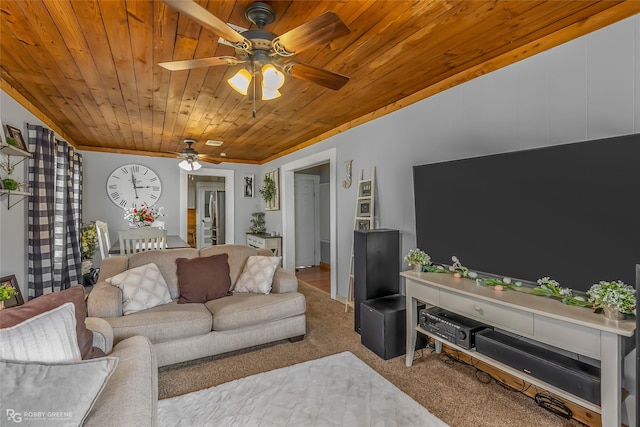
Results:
<point x="229" y="188"/>
<point x="287" y="200"/>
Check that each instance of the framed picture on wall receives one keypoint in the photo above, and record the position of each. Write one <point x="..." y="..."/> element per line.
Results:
<point x="364" y="208"/>
<point x="273" y="177"/>
<point x="16" y="134"/>
<point x="248" y="186"/>
<point x="363" y="224"/>
<point x="12" y="282"/>
<point x="365" y="189"/>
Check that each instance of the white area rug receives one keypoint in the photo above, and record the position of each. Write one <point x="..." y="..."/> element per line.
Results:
<point x="338" y="390"/>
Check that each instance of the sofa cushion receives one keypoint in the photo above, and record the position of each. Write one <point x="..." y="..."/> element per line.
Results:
<point x="142" y="287"/>
<point x="247" y="309"/>
<point x="74" y="294"/>
<point x="64" y="392"/>
<point x="46" y="337"/>
<point x="238" y="255"/>
<point x="203" y="279"/>
<point x="166" y="262"/>
<point x="257" y="275"/>
<point x="163" y="323"/>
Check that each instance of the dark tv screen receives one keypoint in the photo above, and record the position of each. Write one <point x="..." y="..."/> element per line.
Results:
<point x="570" y="212"/>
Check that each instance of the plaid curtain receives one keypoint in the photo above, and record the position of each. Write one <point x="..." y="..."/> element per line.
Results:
<point x="67" y="221"/>
<point x="41" y="210"/>
<point x="55" y="213"/>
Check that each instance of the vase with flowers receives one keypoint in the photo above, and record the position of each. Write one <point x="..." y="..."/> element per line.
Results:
<point x="88" y="245"/>
<point x="417" y="259"/>
<point x="615" y="298"/>
<point x="143" y="216"/>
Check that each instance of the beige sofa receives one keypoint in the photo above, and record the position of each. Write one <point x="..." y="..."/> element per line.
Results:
<point x="130" y="397"/>
<point x="181" y="332"/>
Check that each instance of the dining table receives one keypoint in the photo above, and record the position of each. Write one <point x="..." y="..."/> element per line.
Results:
<point x="173" y="242"/>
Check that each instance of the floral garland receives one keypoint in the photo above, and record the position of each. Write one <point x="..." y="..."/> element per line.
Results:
<point x="616" y="295"/>
<point x="143" y="216"/>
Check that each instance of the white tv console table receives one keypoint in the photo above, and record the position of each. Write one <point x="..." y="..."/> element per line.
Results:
<point x="575" y="329"/>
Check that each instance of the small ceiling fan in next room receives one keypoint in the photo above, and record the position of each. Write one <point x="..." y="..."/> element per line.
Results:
<point x="260" y="53"/>
<point x="191" y="158"/>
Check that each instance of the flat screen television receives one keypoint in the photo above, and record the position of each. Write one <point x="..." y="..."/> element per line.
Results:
<point x="570" y="212"/>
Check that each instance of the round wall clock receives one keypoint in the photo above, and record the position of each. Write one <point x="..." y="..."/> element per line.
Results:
<point x="132" y="185"/>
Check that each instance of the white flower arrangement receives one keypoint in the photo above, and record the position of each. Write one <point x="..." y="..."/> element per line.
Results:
<point x="614" y="295"/>
<point x="416" y="256"/>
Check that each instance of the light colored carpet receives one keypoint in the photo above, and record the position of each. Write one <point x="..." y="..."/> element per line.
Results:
<point x="338" y="390"/>
<point x="450" y="391"/>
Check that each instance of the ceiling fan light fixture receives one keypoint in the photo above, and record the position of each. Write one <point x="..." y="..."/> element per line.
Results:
<point x="271" y="77"/>
<point x="240" y="81"/>
<point x="190" y="165"/>
<point x="269" y="93"/>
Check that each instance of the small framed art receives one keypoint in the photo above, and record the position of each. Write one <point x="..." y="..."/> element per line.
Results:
<point x="364" y="208"/>
<point x="363" y="224"/>
<point x="12" y="282"/>
<point x="248" y="186"/>
<point x="16" y="134"/>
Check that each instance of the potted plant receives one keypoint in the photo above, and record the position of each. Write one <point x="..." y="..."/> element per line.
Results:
<point x="10" y="184"/>
<point x="417" y="258"/>
<point x="12" y="141"/>
<point x="615" y="298"/>
<point x="6" y="292"/>
<point x="257" y="222"/>
<point x="268" y="190"/>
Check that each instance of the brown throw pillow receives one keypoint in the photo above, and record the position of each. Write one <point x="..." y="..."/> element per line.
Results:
<point x="14" y="315"/>
<point x="203" y="279"/>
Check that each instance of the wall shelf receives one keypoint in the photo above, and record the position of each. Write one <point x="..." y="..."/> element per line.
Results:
<point x="11" y="151"/>
<point x="10" y="194"/>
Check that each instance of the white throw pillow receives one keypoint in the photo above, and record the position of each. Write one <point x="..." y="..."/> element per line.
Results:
<point x="257" y="275"/>
<point x="142" y="287"/>
<point x="60" y="393"/>
<point x="47" y="337"/>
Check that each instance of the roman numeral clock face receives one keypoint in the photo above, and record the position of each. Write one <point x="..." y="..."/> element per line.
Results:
<point x="132" y="185"/>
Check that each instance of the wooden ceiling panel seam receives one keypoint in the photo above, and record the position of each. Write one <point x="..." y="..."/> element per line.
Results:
<point x="115" y="20"/>
<point x="140" y="20"/>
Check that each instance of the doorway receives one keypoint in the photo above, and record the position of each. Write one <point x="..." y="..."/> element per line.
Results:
<point x="210" y="204"/>
<point x="187" y="199"/>
<point x="289" y="210"/>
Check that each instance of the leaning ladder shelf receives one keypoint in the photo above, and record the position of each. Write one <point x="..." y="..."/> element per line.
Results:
<point x="11" y="151"/>
<point x="364" y="219"/>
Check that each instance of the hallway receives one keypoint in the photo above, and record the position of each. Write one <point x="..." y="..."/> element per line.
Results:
<point x="318" y="277"/>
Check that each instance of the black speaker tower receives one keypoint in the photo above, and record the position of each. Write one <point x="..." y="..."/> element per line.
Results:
<point x="376" y="266"/>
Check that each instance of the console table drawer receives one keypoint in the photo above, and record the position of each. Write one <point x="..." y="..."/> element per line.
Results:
<point x="492" y="314"/>
<point x="574" y="338"/>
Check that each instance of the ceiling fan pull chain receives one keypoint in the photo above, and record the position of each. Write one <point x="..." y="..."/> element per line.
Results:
<point x="254" y="114"/>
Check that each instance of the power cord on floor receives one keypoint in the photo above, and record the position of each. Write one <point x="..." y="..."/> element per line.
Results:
<point x="553" y="405"/>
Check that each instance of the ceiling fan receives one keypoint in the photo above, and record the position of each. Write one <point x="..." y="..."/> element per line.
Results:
<point x="191" y="158"/>
<point x="263" y="53"/>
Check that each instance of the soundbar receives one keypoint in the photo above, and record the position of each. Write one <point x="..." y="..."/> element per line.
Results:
<point x="571" y="375"/>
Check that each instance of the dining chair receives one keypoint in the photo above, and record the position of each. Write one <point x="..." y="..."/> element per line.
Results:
<point x="104" y="242"/>
<point x="142" y="239"/>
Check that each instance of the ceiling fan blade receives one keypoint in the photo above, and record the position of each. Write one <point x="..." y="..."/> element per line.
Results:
<point x="206" y="19"/>
<point x="316" y="75"/>
<point x="188" y="64"/>
<point x="319" y="30"/>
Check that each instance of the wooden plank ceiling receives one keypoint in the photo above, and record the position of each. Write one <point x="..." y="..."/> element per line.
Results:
<point x="89" y="68"/>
